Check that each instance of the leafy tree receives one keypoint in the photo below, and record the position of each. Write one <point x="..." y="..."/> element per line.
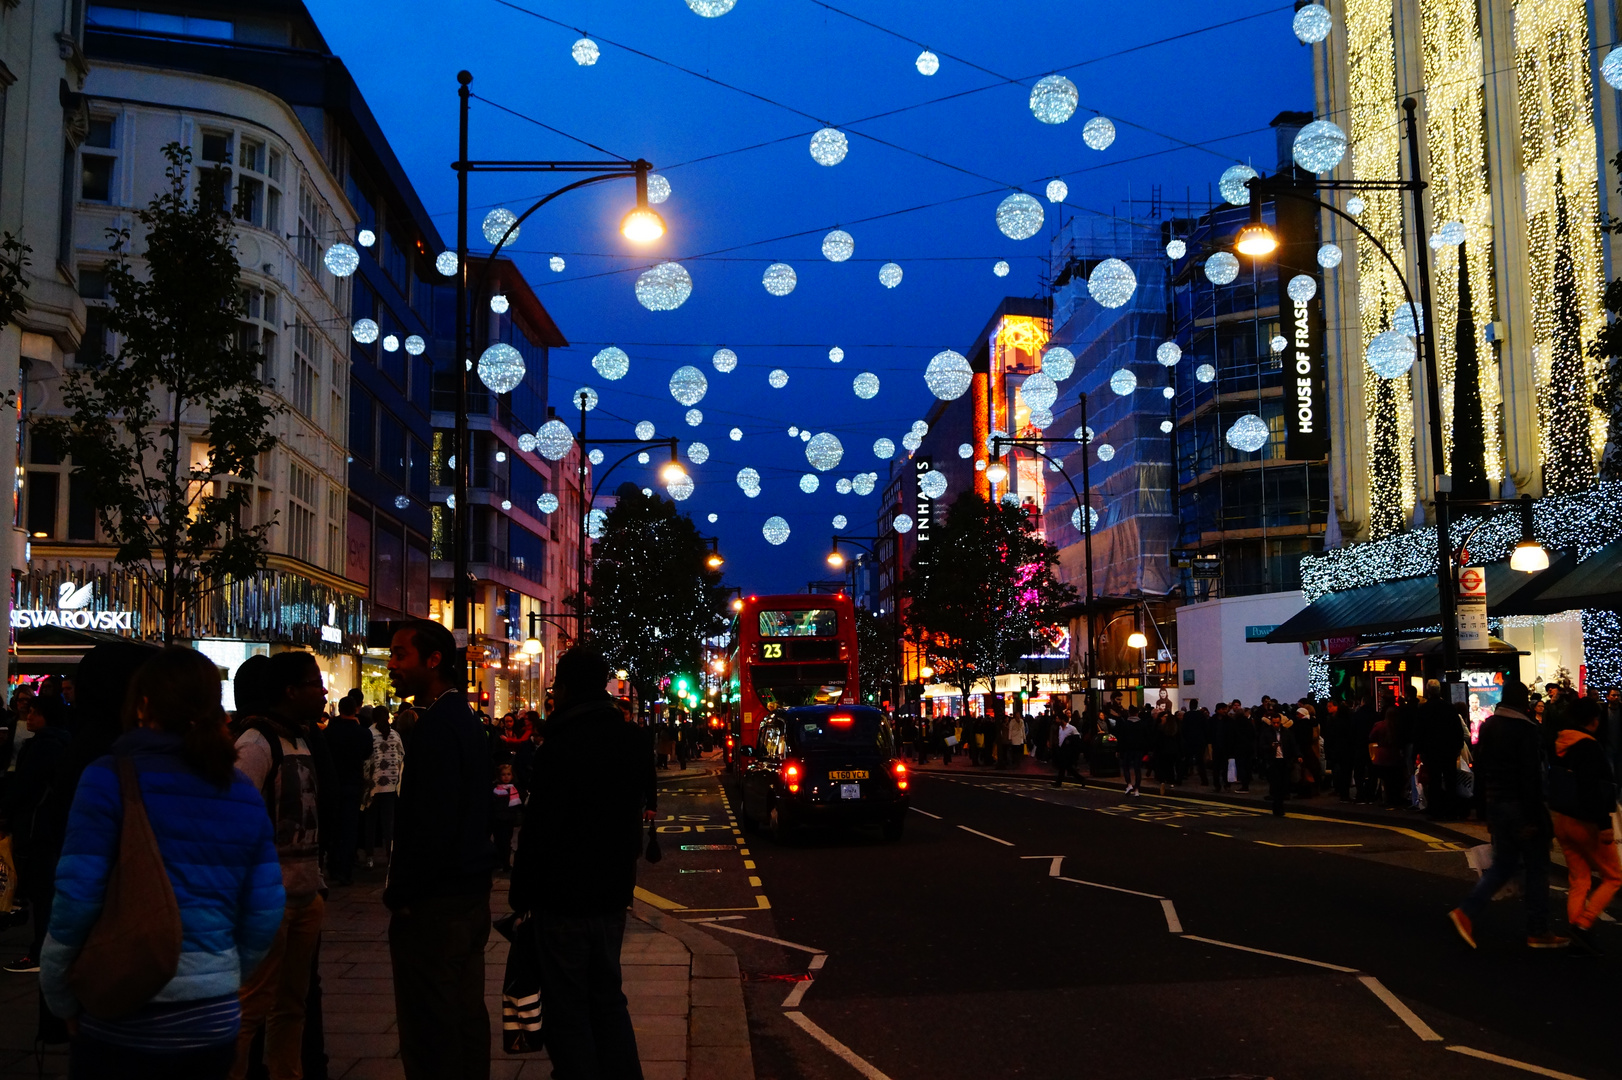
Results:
<point x="13" y="262"/>
<point x="875" y="655"/>
<point x="986" y="589"/>
<point x="654" y="597"/>
<point x="133" y="413"/>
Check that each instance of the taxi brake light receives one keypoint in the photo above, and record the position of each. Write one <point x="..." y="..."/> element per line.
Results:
<point x="840" y="718"/>
<point x="791" y="776"/>
<point x="899" y="768"/>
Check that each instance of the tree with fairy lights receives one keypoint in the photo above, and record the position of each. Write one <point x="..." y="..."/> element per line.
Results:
<point x="875" y="655"/>
<point x="654" y="596"/>
<point x="986" y="590"/>
<point x="1469" y="463"/>
<point x="1385" y="515"/>
<point x="1607" y="349"/>
<point x="1569" y="465"/>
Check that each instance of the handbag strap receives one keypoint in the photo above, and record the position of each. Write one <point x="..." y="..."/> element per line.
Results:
<point x="129" y="786"/>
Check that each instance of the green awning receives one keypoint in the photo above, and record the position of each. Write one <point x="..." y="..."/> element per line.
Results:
<point x="1596" y="582"/>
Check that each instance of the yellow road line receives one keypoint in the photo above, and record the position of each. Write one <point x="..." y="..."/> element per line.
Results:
<point x="657" y="901"/>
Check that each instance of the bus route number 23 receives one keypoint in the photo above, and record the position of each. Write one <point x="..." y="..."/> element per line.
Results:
<point x="771" y="651"/>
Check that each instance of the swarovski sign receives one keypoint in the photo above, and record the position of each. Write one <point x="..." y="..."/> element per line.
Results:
<point x="72" y="613"/>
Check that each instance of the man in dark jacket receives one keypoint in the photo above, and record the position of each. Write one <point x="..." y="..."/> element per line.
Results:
<point x="1440" y="738"/>
<point x="37" y="762"/>
<point x="1509" y="766"/>
<point x="351" y="745"/>
<point x="1280" y="751"/>
<point x="439" y="874"/>
<point x="576" y="868"/>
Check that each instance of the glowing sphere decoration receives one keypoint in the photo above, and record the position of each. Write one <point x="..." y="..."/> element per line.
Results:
<point x="401" y="502"/>
<point x="644" y="430"/>
<point x="364" y="331"/>
<point x="1409" y="319"/>
<point x="712" y="9"/>
<point x="866" y="385"/>
<point x="501" y="368"/>
<point x="714" y="518"/>
<point x="1205" y="373"/>
<point x="698" y="453"/>
<point x="839" y="521"/>
<point x="658" y="189"/>
<point x="1041" y="419"/>
<point x="965" y="451"/>
<point x="736" y="434"/>
<point x="556" y="263"/>
<point x="1039" y="390"/>
<point x="596" y="457"/>
<point x="1176" y="249"/>
<point x="1053" y="99"/>
<point x="586" y="393"/>
<point x="1302" y="287"/>
<point x="932" y="484"/>
<point x="862" y="483"/>
<point x="1232" y="184"/>
<point x="911" y="441"/>
<point x="1355" y="205"/>
<point x="948" y="375"/>
<point x="890" y="275"/>
<point x="810" y="482"/>
<point x="1058" y="191"/>
<point x="526" y="443"/>
<point x="775" y="530"/>
<point x="1123" y="381"/>
<point x="1319" y="146"/>
<point x="597" y="524"/>
<point x="883" y="449"/>
<point x="680" y="488"/>
<point x="1098" y="133"/>
<point x="554" y="440"/>
<point x="725" y="360"/>
<point x="688" y="385"/>
<point x="446" y="263"/>
<point x="836" y="354"/>
<point x="1168" y="392"/>
<point x="611" y="363"/>
<point x="1084" y="434"/>
<point x="1058" y="363"/>
<point x="1169" y="353"/>
<point x="496" y="224"/>
<point x="919" y="428"/>
<point x="1249" y="433"/>
<point x="829" y="146"/>
<point x="341" y="259"/>
<point x="794" y="431"/>
<point x="838" y="246"/>
<point x="547" y="504"/>
<point x="749" y="481"/>
<point x="1279" y="343"/>
<point x="1000" y="268"/>
<point x="992" y="436"/>
<point x="1106" y="452"/>
<point x="902" y="523"/>
<point x="694" y="417"/>
<point x="1312" y="24"/>
<point x="1092" y="519"/>
<point x="1166" y="426"/>
<point x="585" y="52"/>
<point x="641" y="459"/>
<point x="927" y="63"/>
<point x="1610" y="69"/>
<point x="1330" y="255"/>
<point x="777" y="379"/>
<point x="391" y="343"/>
<point x="450" y="501"/>
<point x="1019" y="216"/>
<point x="415" y="345"/>
<point x="842" y="486"/>
<point x="1112" y="283"/>
<point x="779" y="279"/>
<point x="1221" y="268"/>
<point x="366" y="238"/>
<point x="665" y="287"/>
<point x="1452" y="233"/>
<point x="824" y="451"/>
<point x="1392" y="354"/>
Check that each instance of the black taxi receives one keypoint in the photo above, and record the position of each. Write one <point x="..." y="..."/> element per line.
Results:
<point x="824" y="765"/>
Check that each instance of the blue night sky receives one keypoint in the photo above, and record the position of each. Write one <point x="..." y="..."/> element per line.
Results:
<point x="929" y="176"/>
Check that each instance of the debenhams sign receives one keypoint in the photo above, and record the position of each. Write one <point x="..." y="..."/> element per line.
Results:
<point x="72" y="612"/>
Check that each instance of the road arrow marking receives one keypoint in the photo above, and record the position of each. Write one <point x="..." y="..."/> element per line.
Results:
<point x="1113" y="888"/>
<point x="1265" y="952"/>
<point x="1512" y="1063"/>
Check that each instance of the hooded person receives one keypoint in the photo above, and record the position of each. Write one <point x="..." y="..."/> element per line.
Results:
<point x="1582" y="797"/>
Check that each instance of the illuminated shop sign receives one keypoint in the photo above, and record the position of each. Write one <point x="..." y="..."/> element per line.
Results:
<point x="73" y="612"/>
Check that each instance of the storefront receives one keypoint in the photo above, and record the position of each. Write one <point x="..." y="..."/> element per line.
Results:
<point x="1396" y="671"/>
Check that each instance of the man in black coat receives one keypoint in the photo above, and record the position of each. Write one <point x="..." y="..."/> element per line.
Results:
<point x="351" y="745"/>
<point x="594" y="786"/>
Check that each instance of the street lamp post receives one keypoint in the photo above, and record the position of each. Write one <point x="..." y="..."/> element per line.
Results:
<point x="836" y="559"/>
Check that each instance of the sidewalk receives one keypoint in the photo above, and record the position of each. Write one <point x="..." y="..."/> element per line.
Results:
<point x="684" y="989"/>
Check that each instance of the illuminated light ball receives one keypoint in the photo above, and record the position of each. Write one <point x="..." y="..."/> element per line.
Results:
<point x="611" y="363"/>
<point x="1279" y="343"/>
<point x="1092" y="519"/>
<point x="658" y="188"/>
<point x="1083" y="434"/>
<point x="1355" y="205"/>
<point x="775" y="530"/>
<point x="866" y="385"/>
<point x="1391" y="354"/>
<point x="1302" y="287"/>
<point x="838" y="246"/>
<point x="748" y="478"/>
<point x="725" y="360"/>
<point x="698" y="453"/>
<point x="1167" y="392"/>
<point x="1232" y="184"/>
<point x="1058" y="363"/>
<point x="1106" y="452"/>
<point x="644" y="430"/>
<point x="712" y="9"/>
<point x="1205" y="373"/>
<point x="911" y="442"/>
<point x="585" y="52"/>
<point x="1221" y="268"/>
<point x="1169" y="353"/>
<point x="1176" y="249"/>
<point x="902" y="523"/>
<point x="927" y="64"/>
<point x="824" y="451"/>
<point x="965" y="451"/>
<point x="889" y="275"/>
<point x="364" y="331"/>
<point x="526" y="443"/>
<point x="1436" y="242"/>
<point x="714" y="518"/>
<point x="341" y="259"/>
<point x="694" y="417"/>
<point x="1123" y="382"/>
<point x="883" y="449"/>
<point x="1058" y="191"/>
<point x="554" y="440"/>
<point x="588" y="394"/>
<point x="1166" y="426"/>
<point x="1112" y="283"/>
<point x="1319" y="146"/>
<point x="415" y="345"/>
<point x="829" y="146"/>
<point x="948" y="375"/>
<point x="779" y="279"/>
<point x="450" y="502"/>
<point x="547" y="504"/>
<point x="1330" y="255"/>
<point x="496" y="224"/>
<point x="736" y="434"/>
<point x="556" y="263"/>
<point x="805" y="436"/>
<point x="992" y="436"/>
<point x="501" y="368"/>
<point x="366" y="238"/>
<point x="1041" y="419"/>
<point x="647" y="492"/>
<point x="467" y="365"/>
<point x="1409" y="319"/>
<point x="794" y="431"/>
<point x="688" y="385"/>
<point x="597" y="524"/>
<point x="1610" y="68"/>
<point x="778" y="378"/>
<point x="919" y="428"/>
<point x="681" y="488"/>
<point x="641" y="459"/>
<point x="1053" y="99"/>
<point x="979" y="466"/>
<point x="1312" y="24"/>
<point x="932" y="484"/>
<point x="391" y="343"/>
<point x="836" y="354"/>
<point x="596" y="457"/>
<point x="665" y="287"/>
<point x="1098" y="133"/>
<point x="446" y="263"/>
<point x="1452" y="233"/>
<point x="810" y="482"/>
<point x="842" y="486"/>
<point x="839" y="521"/>
<point x="1000" y="268"/>
<point x="1039" y="390"/>
<point x="863" y="484"/>
<point x="1249" y="433"/>
<point x="401" y="502"/>
<point x="1019" y="216"/>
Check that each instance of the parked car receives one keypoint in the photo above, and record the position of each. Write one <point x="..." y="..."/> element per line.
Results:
<point x="824" y="765"/>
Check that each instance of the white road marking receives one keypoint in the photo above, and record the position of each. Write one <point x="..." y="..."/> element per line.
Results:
<point x="1265" y="952"/>
<point x="773" y="940"/>
<point x="817" y="961"/>
<point x="1404" y="1013"/>
<point x="988" y="836"/>
<point x="849" y="1056"/>
<point x="1053" y="867"/>
<point x="926" y="813"/>
<point x="1512" y="1063"/>
<point x="1173" y="923"/>
<point x="795" y="995"/>
<point x="716" y="918"/>
<point x="1113" y="888"/>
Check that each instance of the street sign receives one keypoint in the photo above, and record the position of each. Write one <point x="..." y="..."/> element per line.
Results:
<point x="1472" y="607"/>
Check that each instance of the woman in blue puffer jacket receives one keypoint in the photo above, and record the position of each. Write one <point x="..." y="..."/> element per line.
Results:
<point x="218" y="848"/>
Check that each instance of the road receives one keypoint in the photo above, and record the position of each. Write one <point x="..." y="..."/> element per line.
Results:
<point x="1018" y="930"/>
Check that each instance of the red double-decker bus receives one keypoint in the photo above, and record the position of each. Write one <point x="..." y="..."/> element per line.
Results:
<point x="791" y="650"/>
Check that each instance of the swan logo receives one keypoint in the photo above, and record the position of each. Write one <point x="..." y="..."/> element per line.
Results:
<point x="73" y="612"/>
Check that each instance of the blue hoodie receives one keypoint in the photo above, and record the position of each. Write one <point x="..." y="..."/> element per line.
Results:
<point x="220" y="853"/>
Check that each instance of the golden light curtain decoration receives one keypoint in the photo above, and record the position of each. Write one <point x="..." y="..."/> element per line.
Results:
<point x="1554" y="80"/>
<point x="1460" y="191"/>
<point x="1376" y="154"/>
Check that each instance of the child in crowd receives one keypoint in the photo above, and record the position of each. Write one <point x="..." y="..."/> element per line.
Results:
<point x="505" y="808"/>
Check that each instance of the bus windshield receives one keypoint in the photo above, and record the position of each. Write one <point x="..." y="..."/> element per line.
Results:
<point x="804" y="622"/>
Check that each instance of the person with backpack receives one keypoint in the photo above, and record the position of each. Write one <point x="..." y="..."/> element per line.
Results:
<point x="1582" y="797"/>
<point x="275" y="753"/>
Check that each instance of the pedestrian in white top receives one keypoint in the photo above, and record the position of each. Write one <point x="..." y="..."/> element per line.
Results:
<point x="382" y="785"/>
<point x="1067" y="753"/>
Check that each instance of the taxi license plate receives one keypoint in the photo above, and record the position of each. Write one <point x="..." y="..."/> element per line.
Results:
<point x="847" y="774"/>
<point x="850" y="791"/>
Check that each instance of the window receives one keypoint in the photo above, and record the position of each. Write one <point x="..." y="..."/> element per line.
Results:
<point x="360" y="423"/>
<point x="258" y="196"/>
<point x="96" y="168"/>
<point x="300" y="512"/>
<point x="93" y="290"/>
<point x="258" y="329"/>
<point x="303" y="380"/>
<point x="335" y="530"/>
<point x="391" y="448"/>
<point x="154" y="22"/>
<point x="312" y="225"/>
